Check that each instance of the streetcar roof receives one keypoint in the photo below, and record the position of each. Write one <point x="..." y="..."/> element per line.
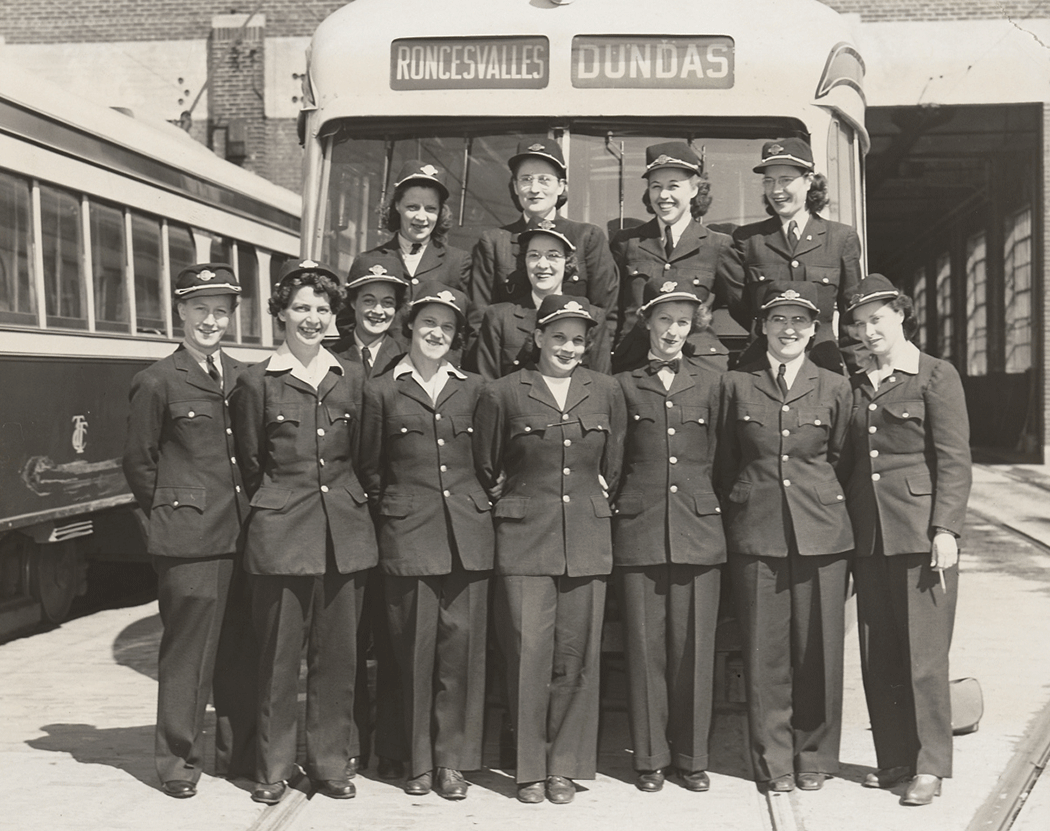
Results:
<point x="40" y="112"/>
<point x="782" y="51"/>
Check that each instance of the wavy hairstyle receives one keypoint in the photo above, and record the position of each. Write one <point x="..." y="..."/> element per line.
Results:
<point x="816" y="199"/>
<point x="390" y="218"/>
<point x="698" y="205"/>
<point x="320" y="283"/>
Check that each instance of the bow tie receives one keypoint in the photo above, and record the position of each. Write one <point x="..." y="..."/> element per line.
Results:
<point x="656" y="366"/>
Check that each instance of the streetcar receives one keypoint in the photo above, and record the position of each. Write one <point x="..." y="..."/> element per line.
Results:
<point x="99" y="211"/>
<point x="458" y="83"/>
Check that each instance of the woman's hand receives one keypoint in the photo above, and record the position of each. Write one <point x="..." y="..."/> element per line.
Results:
<point x="944" y="552"/>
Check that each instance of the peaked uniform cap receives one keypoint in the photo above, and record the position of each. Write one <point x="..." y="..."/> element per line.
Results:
<point x="206" y="279"/>
<point x="432" y="291"/>
<point x="295" y="267"/>
<point x="540" y="147"/>
<point x="376" y="267"/>
<point x="663" y="290"/>
<point x="545" y="227"/>
<point x="791" y="292"/>
<point x="422" y="172"/>
<point x="672" y="154"/>
<point x="557" y="306"/>
<point x="792" y="151"/>
<point x="871" y="288"/>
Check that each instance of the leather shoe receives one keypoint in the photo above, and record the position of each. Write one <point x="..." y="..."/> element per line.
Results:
<point x="560" y="790"/>
<point x="389" y="768"/>
<point x="180" y="788"/>
<point x="419" y="785"/>
<point x="269" y="794"/>
<point x="353" y="765"/>
<point x="336" y="788"/>
<point x="450" y="784"/>
<point x="887" y="778"/>
<point x="531" y="792"/>
<point x="922" y="789"/>
<point x="782" y="784"/>
<point x="650" y="781"/>
<point x="695" y="780"/>
<point x="810" y="781"/>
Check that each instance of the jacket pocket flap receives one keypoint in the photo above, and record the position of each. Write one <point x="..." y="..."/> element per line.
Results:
<point x="192" y="409"/>
<point x="279" y="412"/>
<point x="907" y="410"/>
<point x="920" y="484"/>
<point x="741" y="492"/>
<point x="339" y="413"/>
<point x="397" y="425"/>
<point x="180" y="498"/>
<point x="630" y="504"/>
<point x="819" y="417"/>
<point x="602" y="508"/>
<point x="481" y="501"/>
<point x="396" y="505"/>
<point x="701" y="415"/>
<point x="751" y="412"/>
<point x="273" y="498"/>
<point x="525" y="425"/>
<point x="830" y="493"/>
<point x="512" y="507"/>
<point x="462" y="424"/>
<point x="642" y="414"/>
<point x="594" y="421"/>
<point x="357" y="493"/>
<point x="707" y="504"/>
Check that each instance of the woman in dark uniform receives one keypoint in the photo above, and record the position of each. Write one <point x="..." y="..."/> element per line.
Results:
<point x="784" y="422"/>
<point x="309" y="537"/>
<point x="505" y="337"/>
<point x="674" y="245"/>
<point x="436" y="541"/>
<point x="910" y="438"/>
<point x="551" y="440"/>
<point x="668" y="543"/>
<point x="797" y="244"/>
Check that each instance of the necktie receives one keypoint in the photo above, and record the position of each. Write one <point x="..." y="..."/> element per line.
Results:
<point x="793" y="234"/>
<point x="415" y="248"/>
<point x="366" y="356"/>
<point x="782" y="381"/>
<point x="213" y="371"/>
<point x="668" y="242"/>
<point x="673" y="365"/>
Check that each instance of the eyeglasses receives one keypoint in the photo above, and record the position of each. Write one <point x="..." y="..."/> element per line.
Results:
<point x="796" y="321"/>
<point x="780" y="181"/>
<point x="544" y="180"/>
<point x="533" y="257"/>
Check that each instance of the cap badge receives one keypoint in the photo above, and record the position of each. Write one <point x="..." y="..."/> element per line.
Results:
<point x="774" y="150"/>
<point x="429" y="170"/>
<point x="377" y="269"/>
<point x="446" y="297"/>
<point x="664" y="159"/>
<point x="572" y="306"/>
<point x="790" y="294"/>
<point x="545" y="225"/>
<point x="668" y="286"/>
<point x="205" y="274"/>
<point x="536" y="146"/>
<point x="307" y="264"/>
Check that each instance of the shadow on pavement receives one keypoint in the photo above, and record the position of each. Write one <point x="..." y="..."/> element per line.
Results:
<point x="124" y="748"/>
<point x="136" y="646"/>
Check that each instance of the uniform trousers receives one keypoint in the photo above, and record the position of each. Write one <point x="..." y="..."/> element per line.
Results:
<point x="323" y="611"/>
<point x="905" y="621"/>
<point x="550" y="630"/>
<point x="207" y="650"/>
<point x="792" y="617"/>
<point x="383" y="732"/>
<point x="438" y="628"/>
<point x="670" y="613"/>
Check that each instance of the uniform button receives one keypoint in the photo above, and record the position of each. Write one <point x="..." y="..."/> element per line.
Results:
<point x="673" y="489"/>
<point x="786" y="408"/>
<point x="565" y="498"/>
<point x="404" y="429"/>
<point x="787" y="483"/>
<point x="564" y="416"/>
<point x="280" y="418"/>
<point x="415" y="281"/>
<point x="229" y="432"/>
<point x="873" y="429"/>
<point x="237" y="488"/>
<point x="636" y="417"/>
<point x="784" y="458"/>
<point x="794" y="263"/>
<point x="785" y="432"/>
<point x="567" y="442"/>
<point x="718" y="510"/>
<point x="673" y="460"/>
<point x="816" y="421"/>
<point x="437" y="416"/>
<point x="226" y="402"/>
<point x="346" y="415"/>
<point x="714" y="349"/>
<point x="470" y="429"/>
<point x="891" y="379"/>
<point x="873" y="407"/>
<point x="839" y="497"/>
<point x="191" y="414"/>
<point x="446" y="493"/>
<point x="176" y="503"/>
<point x="233" y="460"/>
<point x="903" y="415"/>
<point x="566" y="471"/>
<point x="747" y="418"/>
<point x="874" y="453"/>
<point x="670" y="430"/>
<point x="667" y="266"/>
<point x="528" y="429"/>
<point x="320" y="431"/>
<point x="517" y="362"/>
<point x="875" y="477"/>
<point x="443" y="468"/>
<point x="669" y="404"/>
<point x="825" y="280"/>
<point x="324" y="488"/>
<point x="321" y="461"/>
<point x="441" y="442"/>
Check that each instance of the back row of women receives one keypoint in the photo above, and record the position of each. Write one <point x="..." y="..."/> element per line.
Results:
<point x="553" y="476"/>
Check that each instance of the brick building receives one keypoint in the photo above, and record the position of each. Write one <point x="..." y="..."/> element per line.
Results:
<point x="959" y="116"/>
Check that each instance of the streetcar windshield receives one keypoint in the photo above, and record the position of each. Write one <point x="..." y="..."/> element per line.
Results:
<point x="606" y="159"/>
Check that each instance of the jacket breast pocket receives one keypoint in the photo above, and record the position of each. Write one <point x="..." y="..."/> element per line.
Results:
<point x="187" y="412"/>
<point x="339" y="415"/>
<point x="462" y="424"/>
<point x="641" y="414"/>
<point x="594" y="422"/>
<point x="906" y="411"/>
<point x="696" y="276"/>
<point x="280" y="413"/>
<point x="752" y="414"/>
<point x="403" y="425"/>
<point x="530" y="425"/>
<point x="823" y="275"/>
<point x="696" y="415"/>
<point x="512" y="507"/>
<point x="815" y="417"/>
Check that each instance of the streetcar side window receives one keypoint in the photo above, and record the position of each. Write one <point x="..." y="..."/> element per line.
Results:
<point x="150" y="291"/>
<point x="62" y="247"/>
<point x="248" y="276"/>
<point x="112" y="309"/>
<point x="18" y="303"/>
<point x="182" y="253"/>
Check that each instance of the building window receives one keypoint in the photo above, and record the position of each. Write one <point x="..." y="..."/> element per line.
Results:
<point x="918" y="296"/>
<point x="944" y="306"/>
<point x="1017" y="270"/>
<point x="17" y="290"/>
<point x="976" y="305"/>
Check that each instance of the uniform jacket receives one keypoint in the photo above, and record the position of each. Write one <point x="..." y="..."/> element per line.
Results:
<point x="443" y="263"/>
<point x="667" y="510"/>
<point x="505" y="340"/>
<point x="390" y="351"/>
<point x="828" y="254"/>
<point x="910" y="454"/>
<point x="417" y="463"/>
<point x="495" y="277"/>
<point x="777" y="460"/>
<point x="179" y="458"/>
<point x="552" y="517"/>
<point x="298" y="451"/>
<point x="703" y="257"/>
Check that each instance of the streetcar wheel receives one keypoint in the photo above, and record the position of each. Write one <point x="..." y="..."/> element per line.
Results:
<point x="55" y="574"/>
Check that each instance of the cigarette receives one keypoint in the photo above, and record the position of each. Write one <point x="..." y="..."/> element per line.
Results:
<point x="940" y="573"/>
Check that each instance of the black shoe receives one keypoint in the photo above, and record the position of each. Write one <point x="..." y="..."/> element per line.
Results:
<point x="695" y="780"/>
<point x="650" y="781"/>
<point x="389" y="768"/>
<point x="531" y="792"/>
<point x="922" y="789"/>
<point x="269" y="794"/>
<point x="782" y="784"/>
<point x="180" y="788"/>
<point x="810" y="781"/>
<point x="419" y="785"/>
<point x="887" y="778"/>
<point x="560" y="790"/>
<point x="450" y="784"/>
<point x="335" y="788"/>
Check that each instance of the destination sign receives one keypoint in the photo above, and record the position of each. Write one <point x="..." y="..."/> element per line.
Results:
<point x="470" y="63"/>
<point x="630" y="61"/>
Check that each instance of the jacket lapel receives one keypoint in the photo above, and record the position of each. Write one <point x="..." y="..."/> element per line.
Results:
<point x="773" y="234"/>
<point x="195" y="376"/>
<point x="812" y="236"/>
<point x="683" y="380"/>
<point x="579" y="390"/>
<point x="452" y="386"/>
<point x="650" y="241"/>
<point x="805" y="381"/>
<point x="408" y="387"/>
<point x="644" y="381"/>
<point x="432" y="259"/>
<point x="538" y="390"/>
<point x="689" y="242"/>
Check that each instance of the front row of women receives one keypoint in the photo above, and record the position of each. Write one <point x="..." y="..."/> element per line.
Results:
<point x="555" y="477"/>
